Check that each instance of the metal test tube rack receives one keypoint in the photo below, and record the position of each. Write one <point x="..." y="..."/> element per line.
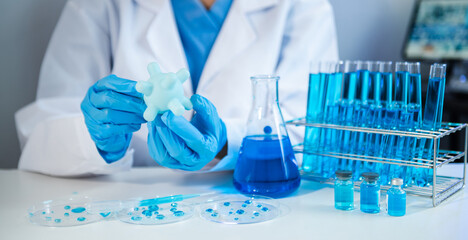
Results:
<point x="443" y="186"/>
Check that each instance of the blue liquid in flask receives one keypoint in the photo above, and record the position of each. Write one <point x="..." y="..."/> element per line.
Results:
<point x="266" y="166"/>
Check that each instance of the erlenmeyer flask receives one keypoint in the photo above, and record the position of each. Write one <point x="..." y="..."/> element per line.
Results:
<point x="266" y="163"/>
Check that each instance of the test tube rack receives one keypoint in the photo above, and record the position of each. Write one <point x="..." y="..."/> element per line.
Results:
<point x="442" y="188"/>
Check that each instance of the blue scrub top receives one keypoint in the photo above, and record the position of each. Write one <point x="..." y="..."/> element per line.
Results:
<point x="198" y="29"/>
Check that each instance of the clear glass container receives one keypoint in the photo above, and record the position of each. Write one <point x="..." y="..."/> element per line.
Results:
<point x="266" y="164"/>
<point x="396" y="199"/>
<point x="370" y="193"/>
<point x="344" y="190"/>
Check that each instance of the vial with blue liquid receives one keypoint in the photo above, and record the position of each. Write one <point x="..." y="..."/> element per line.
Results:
<point x="266" y="164"/>
<point x="344" y="190"/>
<point x="396" y="199"/>
<point x="370" y="193"/>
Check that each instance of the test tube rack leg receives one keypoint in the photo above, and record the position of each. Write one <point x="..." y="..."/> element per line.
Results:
<point x="442" y="188"/>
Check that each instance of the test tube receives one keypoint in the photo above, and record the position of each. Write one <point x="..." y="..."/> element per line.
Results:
<point x="432" y="118"/>
<point x="414" y="119"/>
<point x="347" y="103"/>
<point x="361" y="111"/>
<point x="312" y="163"/>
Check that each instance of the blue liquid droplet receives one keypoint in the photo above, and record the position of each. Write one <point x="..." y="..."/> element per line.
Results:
<point x="267" y="129"/>
<point x="160" y="217"/>
<point x="81" y="219"/>
<point x="58" y="220"/>
<point x="136" y="218"/>
<point x="173" y="209"/>
<point x="147" y="213"/>
<point x="43" y="213"/>
<point x="66" y="214"/>
<point x="179" y="213"/>
<point x="240" y="211"/>
<point x="214" y="214"/>
<point x="66" y="207"/>
<point x="227" y="204"/>
<point x="259" y="205"/>
<point x="105" y="214"/>
<point x="230" y="213"/>
<point x="78" y="210"/>
<point x="173" y="204"/>
<point x="248" y="201"/>
<point x="244" y="205"/>
<point x="265" y="209"/>
<point x="209" y="210"/>
<point x="153" y="208"/>
<point x="236" y="219"/>
<point x="136" y="209"/>
<point x="48" y="218"/>
<point x="256" y="214"/>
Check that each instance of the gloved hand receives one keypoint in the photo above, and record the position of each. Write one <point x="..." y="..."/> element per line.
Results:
<point x="113" y="110"/>
<point x="177" y="143"/>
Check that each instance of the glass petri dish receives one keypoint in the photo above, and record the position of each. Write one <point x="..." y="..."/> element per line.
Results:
<point x="62" y="213"/>
<point x="156" y="214"/>
<point x="241" y="210"/>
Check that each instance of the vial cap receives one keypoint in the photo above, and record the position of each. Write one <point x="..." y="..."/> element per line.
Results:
<point x="343" y="175"/>
<point x="397" y="181"/>
<point x="370" y="176"/>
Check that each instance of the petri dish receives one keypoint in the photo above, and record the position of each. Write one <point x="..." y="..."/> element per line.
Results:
<point x="156" y="214"/>
<point x="241" y="209"/>
<point x="62" y="213"/>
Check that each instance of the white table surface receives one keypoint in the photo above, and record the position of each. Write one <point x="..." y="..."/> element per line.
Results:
<point x="309" y="213"/>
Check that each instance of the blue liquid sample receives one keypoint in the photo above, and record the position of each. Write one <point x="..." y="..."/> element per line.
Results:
<point x="81" y="219"/>
<point x="266" y="166"/>
<point x="105" y="214"/>
<point x="396" y="204"/>
<point x="78" y="210"/>
<point x="344" y="195"/>
<point x="370" y="197"/>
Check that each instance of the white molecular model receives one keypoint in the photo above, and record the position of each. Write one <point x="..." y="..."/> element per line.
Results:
<point x="163" y="92"/>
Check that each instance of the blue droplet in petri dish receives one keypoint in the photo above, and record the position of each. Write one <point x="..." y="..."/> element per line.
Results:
<point x="227" y="204"/>
<point x="256" y="214"/>
<point x="267" y="129"/>
<point x="173" y="204"/>
<point x="240" y="211"/>
<point x="248" y="201"/>
<point x="160" y="216"/>
<point x="173" y="209"/>
<point x="147" y="213"/>
<point x="179" y="213"/>
<point x="214" y="214"/>
<point x="58" y="220"/>
<point x="236" y="219"/>
<point x="136" y="209"/>
<point x="153" y="208"/>
<point x="81" y="219"/>
<point x="66" y="214"/>
<point x="209" y="210"/>
<point x="136" y="218"/>
<point x="244" y="205"/>
<point x="265" y="209"/>
<point x="259" y="205"/>
<point x="105" y="214"/>
<point x="66" y="207"/>
<point x="48" y="218"/>
<point x="78" y="210"/>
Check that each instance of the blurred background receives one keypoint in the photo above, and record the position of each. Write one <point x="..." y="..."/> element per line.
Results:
<point x="367" y="30"/>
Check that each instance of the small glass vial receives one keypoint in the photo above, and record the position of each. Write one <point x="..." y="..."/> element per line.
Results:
<point x="370" y="193"/>
<point x="396" y="199"/>
<point x="344" y="190"/>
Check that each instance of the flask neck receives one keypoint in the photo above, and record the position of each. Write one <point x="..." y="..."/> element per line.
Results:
<point x="265" y="91"/>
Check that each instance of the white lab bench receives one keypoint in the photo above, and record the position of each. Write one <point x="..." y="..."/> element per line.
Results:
<point x="307" y="214"/>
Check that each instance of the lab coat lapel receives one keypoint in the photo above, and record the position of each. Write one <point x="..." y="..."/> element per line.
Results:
<point x="164" y="40"/>
<point x="235" y="36"/>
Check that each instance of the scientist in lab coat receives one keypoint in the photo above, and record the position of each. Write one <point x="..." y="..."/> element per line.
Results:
<point x="100" y="48"/>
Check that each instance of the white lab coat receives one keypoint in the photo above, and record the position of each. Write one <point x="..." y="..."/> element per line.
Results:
<point x="96" y="38"/>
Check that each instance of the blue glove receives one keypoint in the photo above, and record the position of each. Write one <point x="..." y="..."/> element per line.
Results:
<point x="177" y="143"/>
<point x="113" y="110"/>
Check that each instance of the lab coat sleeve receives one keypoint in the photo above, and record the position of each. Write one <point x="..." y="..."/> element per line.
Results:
<point x="51" y="130"/>
<point x="310" y="35"/>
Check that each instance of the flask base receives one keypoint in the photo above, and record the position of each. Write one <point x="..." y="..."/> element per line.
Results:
<point x="277" y="189"/>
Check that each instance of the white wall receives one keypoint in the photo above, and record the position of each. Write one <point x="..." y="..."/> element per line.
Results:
<point x="367" y="30"/>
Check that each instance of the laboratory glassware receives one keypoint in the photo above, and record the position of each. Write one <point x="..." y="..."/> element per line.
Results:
<point x="396" y="199"/>
<point x="370" y="193"/>
<point x="344" y="190"/>
<point x="266" y="164"/>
